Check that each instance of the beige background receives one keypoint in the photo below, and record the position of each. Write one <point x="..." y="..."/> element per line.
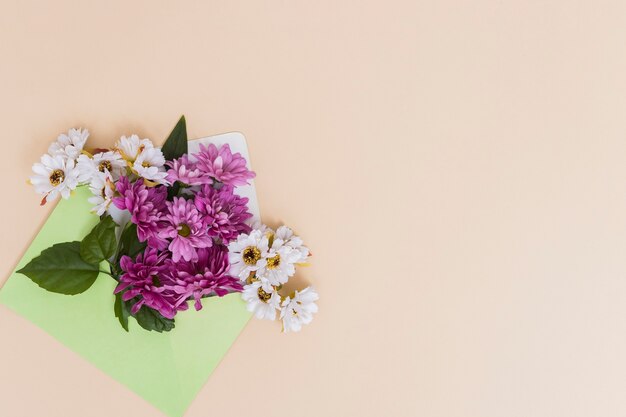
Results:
<point x="457" y="168"/>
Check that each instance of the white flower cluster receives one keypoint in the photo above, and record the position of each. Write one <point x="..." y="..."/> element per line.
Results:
<point x="265" y="259"/>
<point x="67" y="165"/>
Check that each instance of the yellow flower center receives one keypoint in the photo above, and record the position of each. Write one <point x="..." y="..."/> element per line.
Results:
<point x="263" y="296"/>
<point x="251" y="278"/>
<point x="251" y="255"/>
<point x="105" y="165"/>
<point x="57" y="177"/>
<point x="145" y="165"/>
<point x="184" y="230"/>
<point x="273" y="262"/>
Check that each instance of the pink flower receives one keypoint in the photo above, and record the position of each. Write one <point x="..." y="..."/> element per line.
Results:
<point x="184" y="225"/>
<point x="203" y="277"/>
<point x="222" y="165"/>
<point x="186" y="172"/>
<point x="145" y="205"/>
<point x="224" y="212"/>
<point x="145" y="279"/>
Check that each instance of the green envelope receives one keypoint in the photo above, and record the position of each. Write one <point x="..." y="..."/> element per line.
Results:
<point x="166" y="369"/>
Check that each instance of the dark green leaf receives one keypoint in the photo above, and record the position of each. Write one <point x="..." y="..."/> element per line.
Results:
<point x="172" y="191"/>
<point x="176" y="144"/>
<point x="100" y="243"/>
<point x="150" y="319"/>
<point x="129" y="242"/>
<point x="122" y="311"/>
<point x="61" y="269"/>
<point x="129" y="245"/>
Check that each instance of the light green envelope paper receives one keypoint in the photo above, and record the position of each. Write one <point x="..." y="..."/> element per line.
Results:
<point x="166" y="369"/>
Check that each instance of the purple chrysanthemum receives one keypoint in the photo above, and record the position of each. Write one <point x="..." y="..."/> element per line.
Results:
<point x="144" y="278"/>
<point x="224" y="212"/>
<point x="145" y="205"/>
<point x="207" y="275"/>
<point x="222" y="165"/>
<point x="183" y="224"/>
<point x="185" y="171"/>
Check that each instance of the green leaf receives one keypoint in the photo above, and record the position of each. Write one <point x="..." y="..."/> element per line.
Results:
<point x="100" y="243"/>
<point x="129" y="242"/>
<point x="130" y="245"/>
<point x="172" y="191"/>
<point x="146" y="317"/>
<point x="121" y="311"/>
<point x="151" y="319"/>
<point x="61" y="269"/>
<point x="176" y="144"/>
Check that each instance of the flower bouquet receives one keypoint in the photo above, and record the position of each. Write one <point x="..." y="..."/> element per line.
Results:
<point x="173" y="231"/>
<point x="150" y="233"/>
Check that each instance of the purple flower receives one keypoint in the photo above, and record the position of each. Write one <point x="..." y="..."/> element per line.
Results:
<point x="185" y="171"/>
<point x="185" y="226"/>
<point x="145" y="205"/>
<point x="224" y="212"/>
<point x="222" y="165"/>
<point x="144" y="278"/>
<point x="204" y="276"/>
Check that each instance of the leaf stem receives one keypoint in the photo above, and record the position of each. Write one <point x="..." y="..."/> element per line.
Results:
<point x="102" y="271"/>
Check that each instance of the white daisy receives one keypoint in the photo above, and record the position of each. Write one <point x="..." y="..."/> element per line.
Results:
<point x="110" y="161"/>
<point x="279" y="263"/>
<point x="262" y="299"/>
<point x="149" y="164"/>
<point x="286" y="235"/>
<point x="69" y="145"/>
<point x="131" y="147"/>
<point x="54" y="175"/>
<point x="103" y="189"/>
<point x="298" y="310"/>
<point x="244" y="254"/>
